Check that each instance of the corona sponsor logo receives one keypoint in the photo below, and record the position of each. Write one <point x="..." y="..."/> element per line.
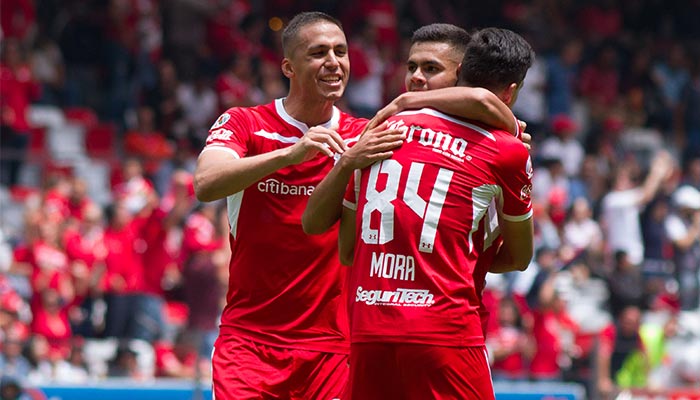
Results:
<point x="438" y="141"/>
<point x="274" y="186"/>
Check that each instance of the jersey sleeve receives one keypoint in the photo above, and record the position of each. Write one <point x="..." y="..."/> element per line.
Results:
<point x="230" y="132"/>
<point x="515" y="176"/>
<point x="352" y="192"/>
<point x="351" y="129"/>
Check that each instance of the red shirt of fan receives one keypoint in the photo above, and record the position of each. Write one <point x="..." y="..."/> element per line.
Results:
<point x="284" y="286"/>
<point x="124" y="266"/>
<point x="420" y="230"/>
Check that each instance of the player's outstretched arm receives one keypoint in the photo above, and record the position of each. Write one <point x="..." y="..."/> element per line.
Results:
<point x="219" y="173"/>
<point x="516" y="251"/>
<point x="469" y="102"/>
<point x="326" y="202"/>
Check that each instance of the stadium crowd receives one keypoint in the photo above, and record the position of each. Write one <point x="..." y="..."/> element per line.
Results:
<point x="109" y="267"/>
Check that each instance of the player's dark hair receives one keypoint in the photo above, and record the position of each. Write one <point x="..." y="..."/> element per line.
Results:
<point x="495" y="58"/>
<point x="291" y="31"/>
<point x="455" y="36"/>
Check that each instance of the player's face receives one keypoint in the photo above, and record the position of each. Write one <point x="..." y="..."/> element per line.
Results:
<point x="319" y="63"/>
<point x="431" y="65"/>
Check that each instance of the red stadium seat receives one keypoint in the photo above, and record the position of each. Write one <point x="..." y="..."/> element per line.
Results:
<point x="100" y="141"/>
<point x="82" y="115"/>
<point x="37" y="151"/>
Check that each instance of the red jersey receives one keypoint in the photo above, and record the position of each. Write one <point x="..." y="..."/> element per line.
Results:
<point x="284" y="286"/>
<point x="124" y="259"/>
<point x="17" y="90"/>
<point x="420" y="229"/>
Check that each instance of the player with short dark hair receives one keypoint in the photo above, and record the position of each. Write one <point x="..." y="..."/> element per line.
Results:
<point x="283" y="330"/>
<point x="412" y="228"/>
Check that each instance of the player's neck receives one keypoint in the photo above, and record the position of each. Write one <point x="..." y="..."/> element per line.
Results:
<point x="310" y="112"/>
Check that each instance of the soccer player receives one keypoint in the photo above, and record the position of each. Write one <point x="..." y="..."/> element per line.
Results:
<point x="283" y="330"/>
<point x="432" y="71"/>
<point x="410" y="227"/>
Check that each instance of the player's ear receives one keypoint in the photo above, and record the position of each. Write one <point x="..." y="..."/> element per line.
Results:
<point x="287" y="69"/>
<point x="510" y="93"/>
<point x="458" y="72"/>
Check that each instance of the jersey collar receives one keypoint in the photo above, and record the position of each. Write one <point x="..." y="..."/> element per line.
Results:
<point x="330" y="124"/>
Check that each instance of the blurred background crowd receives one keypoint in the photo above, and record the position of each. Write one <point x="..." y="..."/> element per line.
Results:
<point x="109" y="267"/>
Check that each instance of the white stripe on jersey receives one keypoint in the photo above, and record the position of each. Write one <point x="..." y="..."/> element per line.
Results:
<point x="517" y="218"/>
<point x="276" y="136"/>
<point x="220" y="147"/>
<point x="233" y="207"/>
<point x="352" y="140"/>
<point x="438" y="114"/>
<point x="349" y="205"/>
<point x="330" y="124"/>
<point x="481" y="199"/>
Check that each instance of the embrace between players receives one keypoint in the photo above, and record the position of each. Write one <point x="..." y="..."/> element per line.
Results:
<point x="420" y="202"/>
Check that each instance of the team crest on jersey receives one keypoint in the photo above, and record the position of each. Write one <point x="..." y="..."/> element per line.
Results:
<point x="221" y="121"/>
<point x="529" y="170"/>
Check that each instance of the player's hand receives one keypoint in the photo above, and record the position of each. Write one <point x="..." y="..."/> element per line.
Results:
<point x="524" y="136"/>
<point x="374" y="145"/>
<point x="382" y="115"/>
<point x="316" y="140"/>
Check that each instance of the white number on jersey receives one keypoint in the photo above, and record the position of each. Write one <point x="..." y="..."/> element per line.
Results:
<point x="428" y="211"/>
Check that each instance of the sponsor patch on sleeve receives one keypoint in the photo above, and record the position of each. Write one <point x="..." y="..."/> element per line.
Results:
<point x="223" y="118"/>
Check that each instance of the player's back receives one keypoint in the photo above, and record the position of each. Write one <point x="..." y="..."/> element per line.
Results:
<point x="417" y="215"/>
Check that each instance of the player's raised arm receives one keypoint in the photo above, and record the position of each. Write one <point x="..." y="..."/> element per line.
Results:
<point x="325" y="203"/>
<point x="220" y="173"/>
<point x="517" y="249"/>
<point x="469" y="102"/>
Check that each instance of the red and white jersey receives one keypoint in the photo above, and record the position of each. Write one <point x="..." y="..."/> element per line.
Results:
<point x="284" y="286"/>
<point x="421" y="227"/>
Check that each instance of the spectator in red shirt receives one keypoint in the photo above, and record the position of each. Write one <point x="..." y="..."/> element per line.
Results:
<point x="124" y="279"/>
<point x="600" y="80"/>
<point x="51" y="266"/>
<point x="161" y="233"/>
<point x="234" y="85"/>
<point x="509" y="345"/>
<point x="202" y="238"/>
<point x="147" y="142"/>
<point x="17" y="18"/>
<point x="17" y="90"/>
<point x="85" y="246"/>
<point x="51" y="321"/>
<point x="178" y="359"/>
<point x="554" y="332"/>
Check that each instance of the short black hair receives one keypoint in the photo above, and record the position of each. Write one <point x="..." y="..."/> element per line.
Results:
<point x="455" y="36"/>
<point x="291" y="31"/>
<point x="495" y="58"/>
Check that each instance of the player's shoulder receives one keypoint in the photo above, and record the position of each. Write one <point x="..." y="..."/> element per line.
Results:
<point x="506" y="141"/>
<point x="350" y="126"/>
<point x="245" y="115"/>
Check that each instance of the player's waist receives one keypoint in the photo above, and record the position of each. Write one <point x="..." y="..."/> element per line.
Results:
<point x="321" y="340"/>
<point x="447" y="339"/>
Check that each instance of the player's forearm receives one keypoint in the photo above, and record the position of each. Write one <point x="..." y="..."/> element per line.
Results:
<point x="326" y="202"/>
<point x="516" y="251"/>
<point x="503" y="262"/>
<point x="474" y="103"/>
<point x="218" y="177"/>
